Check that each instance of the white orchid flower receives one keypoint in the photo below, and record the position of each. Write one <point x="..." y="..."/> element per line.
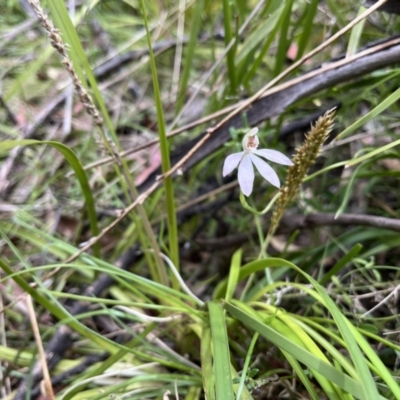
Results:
<point x="249" y="156"/>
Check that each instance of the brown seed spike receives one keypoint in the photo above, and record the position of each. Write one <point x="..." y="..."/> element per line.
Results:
<point x="304" y="158"/>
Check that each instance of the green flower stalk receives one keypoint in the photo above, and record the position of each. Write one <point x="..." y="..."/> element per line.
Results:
<point x="304" y="158"/>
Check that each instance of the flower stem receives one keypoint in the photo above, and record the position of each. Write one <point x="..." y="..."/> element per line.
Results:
<point x="253" y="210"/>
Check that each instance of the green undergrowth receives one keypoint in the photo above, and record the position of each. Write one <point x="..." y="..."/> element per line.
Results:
<point x="225" y="296"/>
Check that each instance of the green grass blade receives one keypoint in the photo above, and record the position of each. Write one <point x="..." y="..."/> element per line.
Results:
<point x="246" y="366"/>
<point x="233" y="274"/>
<point x="262" y="32"/>
<point x="189" y="54"/>
<point x="364" y="374"/>
<point x="17" y="87"/>
<point x="348" y="190"/>
<point x="222" y="364"/>
<point x="308" y="26"/>
<point x="266" y="31"/>
<point x="207" y="364"/>
<point x="166" y="164"/>
<point x="302" y="376"/>
<point x="81" y="63"/>
<point x="380" y="367"/>
<point x="337" y="12"/>
<point x="78" y="57"/>
<point x="53" y="307"/>
<point x="230" y="57"/>
<point x="325" y="344"/>
<point x="80" y="173"/>
<point x="355" y="35"/>
<point x="373" y="153"/>
<point x="352" y="253"/>
<point x="355" y="161"/>
<point x="108" y="363"/>
<point x="288" y="328"/>
<point x="283" y="43"/>
<point x="370" y="115"/>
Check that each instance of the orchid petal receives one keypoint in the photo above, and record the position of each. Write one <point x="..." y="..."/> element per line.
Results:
<point x="273" y="155"/>
<point x="246" y="175"/>
<point x="231" y="162"/>
<point x="265" y="170"/>
<point x="252" y="131"/>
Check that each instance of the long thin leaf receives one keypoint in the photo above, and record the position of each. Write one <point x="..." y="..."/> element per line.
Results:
<point x="189" y="54"/>
<point x="230" y="57"/>
<point x="352" y="253"/>
<point x="206" y="363"/>
<point x="283" y="43"/>
<point x="165" y="160"/>
<point x="370" y="115"/>
<point x="80" y="173"/>
<point x="355" y="35"/>
<point x="307" y="27"/>
<point x="233" y="274"/>
<point x="222" y="363"/>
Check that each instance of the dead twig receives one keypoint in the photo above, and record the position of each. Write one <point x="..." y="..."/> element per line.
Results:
<point x="292" y="222"/>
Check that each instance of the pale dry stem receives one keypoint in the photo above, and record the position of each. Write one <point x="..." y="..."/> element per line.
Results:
<point x="42" y="355"/>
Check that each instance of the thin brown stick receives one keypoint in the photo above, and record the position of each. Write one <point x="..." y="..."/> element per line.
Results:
<point x="293" y="222"/>
<point x="321" y="219"/>
<point x="39" y="343"/>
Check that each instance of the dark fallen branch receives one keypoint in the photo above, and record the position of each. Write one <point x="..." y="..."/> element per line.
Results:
<point x="276" y="103"/>
<point x="120" y="60"/>
<point x="303" y="124"/>
<point x="391" y="6"/>
<point x="320" y="219"/>
<point x="290" y="223"/>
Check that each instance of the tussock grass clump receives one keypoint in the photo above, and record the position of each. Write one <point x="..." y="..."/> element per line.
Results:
<point x="148" y="278"/>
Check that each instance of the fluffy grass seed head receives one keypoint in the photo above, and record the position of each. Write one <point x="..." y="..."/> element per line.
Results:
<point x="57" y="42"/>
<point x="303" y="159"/>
